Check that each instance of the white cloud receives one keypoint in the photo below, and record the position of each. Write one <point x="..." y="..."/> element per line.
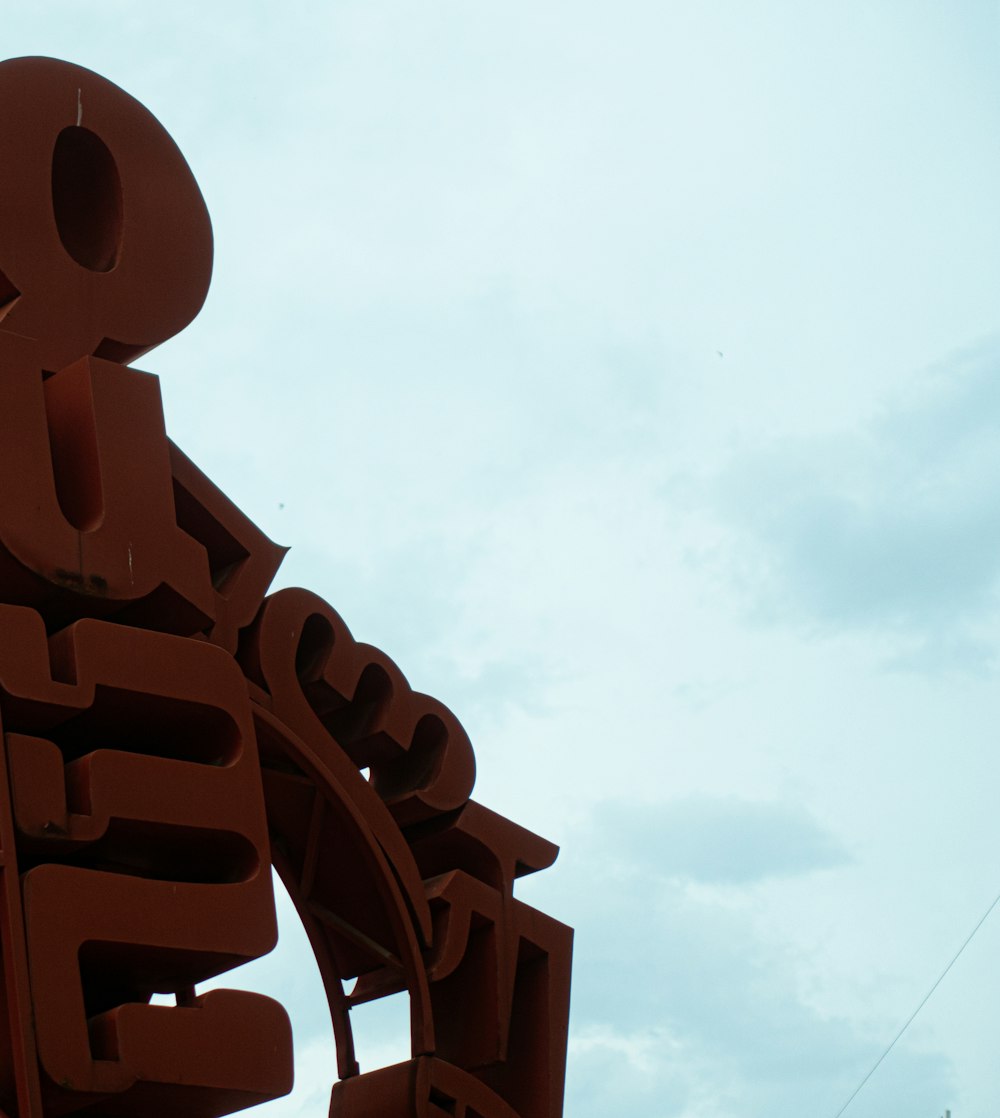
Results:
<point x="474" y="265"/>
<point x="724" y="841"/>
<point x="894" y="526"/>
<point x="679" y="997"/>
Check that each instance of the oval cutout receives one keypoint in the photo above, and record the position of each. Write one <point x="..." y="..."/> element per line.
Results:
<point x="87" y="198"/>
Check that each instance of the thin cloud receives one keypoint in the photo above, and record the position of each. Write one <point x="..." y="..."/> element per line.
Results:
<point x="681" y="1007"/>
<point x="717" y="841"/>
<point x="893" y="526"/>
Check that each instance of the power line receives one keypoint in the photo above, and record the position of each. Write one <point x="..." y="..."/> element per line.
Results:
<point x="924" y="1001"/>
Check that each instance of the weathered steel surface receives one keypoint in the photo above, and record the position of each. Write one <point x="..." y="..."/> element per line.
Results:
<point x="169" y="731"/>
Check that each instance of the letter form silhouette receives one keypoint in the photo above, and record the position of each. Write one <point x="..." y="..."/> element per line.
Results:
<point x="169" y="733"/>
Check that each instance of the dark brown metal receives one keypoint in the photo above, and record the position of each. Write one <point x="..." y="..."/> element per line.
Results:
<point x="169" y="732"/>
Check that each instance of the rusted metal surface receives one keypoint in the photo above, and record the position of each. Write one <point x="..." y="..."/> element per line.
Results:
<point x="169" y="731"/>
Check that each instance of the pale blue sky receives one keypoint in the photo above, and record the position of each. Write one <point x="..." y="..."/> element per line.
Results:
<point x="631" y="374"/>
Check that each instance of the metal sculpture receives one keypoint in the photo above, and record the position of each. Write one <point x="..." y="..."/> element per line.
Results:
<point x="169" y="732"/>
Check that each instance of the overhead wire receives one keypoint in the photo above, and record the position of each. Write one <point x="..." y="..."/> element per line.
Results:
<point x="926" y="998"/>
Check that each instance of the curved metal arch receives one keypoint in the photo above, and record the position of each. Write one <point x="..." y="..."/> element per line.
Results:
<point x="306" y="777"/>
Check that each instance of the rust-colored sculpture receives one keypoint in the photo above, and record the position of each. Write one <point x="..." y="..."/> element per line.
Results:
<point x="168" y="731"/>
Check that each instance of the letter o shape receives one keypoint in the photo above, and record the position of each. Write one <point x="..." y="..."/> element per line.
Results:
<point x="105" y="239"/>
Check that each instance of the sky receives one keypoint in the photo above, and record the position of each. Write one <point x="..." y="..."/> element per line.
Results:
<point x="630" y="373"/>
